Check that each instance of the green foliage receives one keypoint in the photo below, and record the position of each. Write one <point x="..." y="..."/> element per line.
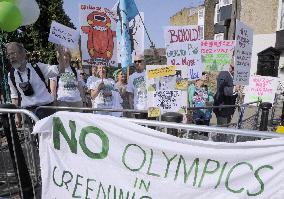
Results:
<point x="35" y="37"/>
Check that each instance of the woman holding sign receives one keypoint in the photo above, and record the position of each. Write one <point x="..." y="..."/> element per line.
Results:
<point x="200" y="95"/>
<point x="104" y="93"/>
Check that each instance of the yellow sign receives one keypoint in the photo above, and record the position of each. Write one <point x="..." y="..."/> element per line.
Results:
<point x="280" y="129"/>
<point x="182" y="84"/>
<point x="161" y="72"/>
<point x="154" y="112"/>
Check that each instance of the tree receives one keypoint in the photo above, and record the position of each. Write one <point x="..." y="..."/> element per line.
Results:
<point x="35" y="37"/>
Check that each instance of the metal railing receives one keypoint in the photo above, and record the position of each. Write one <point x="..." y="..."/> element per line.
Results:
<point x="19" y="168"/>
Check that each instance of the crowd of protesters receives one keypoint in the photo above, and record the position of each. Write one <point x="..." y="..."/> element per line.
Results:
<point x="34" y="85"/>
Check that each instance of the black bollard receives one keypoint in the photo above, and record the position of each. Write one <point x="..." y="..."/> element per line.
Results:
<point x="265" y="107"/>
<point x="172" y="117"/>
<point x="282" y="115"/>
<point x="16" y="152"/>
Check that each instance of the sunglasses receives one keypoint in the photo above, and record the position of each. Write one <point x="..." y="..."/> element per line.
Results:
<point x="82" y="73"/>
<point x="138" y="61"/>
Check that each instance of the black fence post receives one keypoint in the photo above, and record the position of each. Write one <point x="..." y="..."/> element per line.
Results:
<point x="265" y="107"/>
<point x="282" y="115"/>
<point x="16" y="152"/>
<point x="172" y="117"/>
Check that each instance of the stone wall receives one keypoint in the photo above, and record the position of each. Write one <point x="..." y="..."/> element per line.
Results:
<point x="260" y="15"/>
<point x="187" y="16"/>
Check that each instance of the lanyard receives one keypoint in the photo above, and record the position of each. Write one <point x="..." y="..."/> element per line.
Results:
<point x="29" y="75"/>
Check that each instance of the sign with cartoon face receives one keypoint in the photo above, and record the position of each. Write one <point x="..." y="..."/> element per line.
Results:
<point x="97" y="29"/>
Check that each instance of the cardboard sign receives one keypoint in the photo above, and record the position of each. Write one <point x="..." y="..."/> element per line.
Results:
<point x="161" y="72"/>
<point x="217" y="55"/>
<point x="261" y="87"/>
<point x="98" y="36"/>
<point x="243" y="52"/>
<point x="63" y="35"/>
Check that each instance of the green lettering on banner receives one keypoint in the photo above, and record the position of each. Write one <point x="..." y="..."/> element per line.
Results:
<point x="256" y="174"/>
<point x="206" y="171"/>
<point x="168" y="163"/>
<point x="58" y="129"/>
<point x="88" y="188"/>
<point x="75" y="188"/>
<point x="146" y="187"/>
<point x="53" y="177"/>
<point x="105" y="142"/>
<point x="186" y="174"/>
<point x="123" y="157"/>
<point x="221" y="175"/>
<point x="229" y="174"/>
<point x="149" y="167"/>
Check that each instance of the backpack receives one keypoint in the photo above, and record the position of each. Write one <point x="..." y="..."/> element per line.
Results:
<point x="38" y="72"/>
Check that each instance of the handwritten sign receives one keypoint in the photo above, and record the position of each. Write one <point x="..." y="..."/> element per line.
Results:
<point x="181" y="34"/>
<point x="261" y="87"/>
<point x="154" y="112"/>
<point x="188" y="54"/>
<point x="167" y="93"/>
<point x="243" y="53"/>
<point x="168" y="100"/>
<point x="63" y="35"/>
<point x="217" y="55"/>
<point x="161" y="72"/>
<point x="98" y="37"/>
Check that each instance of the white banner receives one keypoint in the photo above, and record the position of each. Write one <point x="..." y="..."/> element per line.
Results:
<point x="243" y="52"/>
<point x="63" y="35"/>
<point x="98" y="35"/>
<point x="98" y="157"/>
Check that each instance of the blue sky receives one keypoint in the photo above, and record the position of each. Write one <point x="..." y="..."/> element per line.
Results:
<point x="157" y="14"/>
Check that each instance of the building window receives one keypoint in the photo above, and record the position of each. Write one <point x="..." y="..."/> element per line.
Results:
<point x="282" y="16"/>
<point x="201" y="32"/>
<point x="201" y="16"/>
<point x="224" y="3"/>
<point x="219" y="36"/>
<point x="217" y="14"/>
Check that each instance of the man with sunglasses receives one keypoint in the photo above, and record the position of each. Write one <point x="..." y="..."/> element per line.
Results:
<point x="136" y="86"/>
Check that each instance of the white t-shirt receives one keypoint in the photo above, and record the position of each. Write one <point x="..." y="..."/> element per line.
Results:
<point x="68" y="86"/>
<point x="137" y="86"/>
<point x="101" y="101"/>
<point x="41" y="95"/>
<point x="90" y="80"/>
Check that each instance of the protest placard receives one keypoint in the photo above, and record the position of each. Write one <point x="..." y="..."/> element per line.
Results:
<point x="63" y="35"/>
<point x="217" y="55"/>
<point x="99" y="156"/>
<point x="187" y="53"/>
<point x="161" y="72"/>
<point x="243" y="52"/>
<point x="261" y="87"/>
<point x="98" y="35"/>
<point x="181" y="34"/>
<point x="183" y="48"/>
<point x="167" y="88"/>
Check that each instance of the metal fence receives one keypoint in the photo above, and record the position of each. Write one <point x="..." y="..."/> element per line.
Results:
<point x="15" y="160"/>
